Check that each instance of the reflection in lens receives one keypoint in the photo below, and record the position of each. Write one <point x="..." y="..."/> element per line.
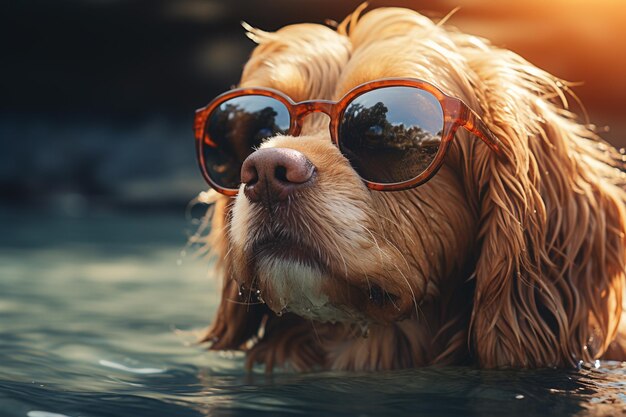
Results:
<point x="237" y="127"/>
<point x="391" y="134"/>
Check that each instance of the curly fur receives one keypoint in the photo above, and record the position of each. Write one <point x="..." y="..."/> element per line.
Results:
<point x="501" y="264"/>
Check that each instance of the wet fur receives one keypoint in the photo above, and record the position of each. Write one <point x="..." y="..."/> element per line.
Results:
<point x="499" y="264"/>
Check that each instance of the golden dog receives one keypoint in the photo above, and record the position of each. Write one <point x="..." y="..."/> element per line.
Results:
<point x="497" y="262"/>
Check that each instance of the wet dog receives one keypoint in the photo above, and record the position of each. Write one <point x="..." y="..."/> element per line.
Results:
<point x="514" y="259"/>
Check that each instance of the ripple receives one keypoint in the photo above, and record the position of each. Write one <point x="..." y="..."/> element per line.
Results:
<point x="122" y="367"/>
<point x="38" y="413"/>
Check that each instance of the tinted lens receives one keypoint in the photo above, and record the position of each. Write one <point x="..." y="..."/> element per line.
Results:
<point x="237" y="127"/>
<point x="391" y="134"/>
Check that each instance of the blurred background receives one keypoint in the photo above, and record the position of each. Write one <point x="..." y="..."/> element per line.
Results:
<point x="97" y="96"/>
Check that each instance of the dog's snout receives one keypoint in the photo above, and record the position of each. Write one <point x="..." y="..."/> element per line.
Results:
<point x="272" y="174"/>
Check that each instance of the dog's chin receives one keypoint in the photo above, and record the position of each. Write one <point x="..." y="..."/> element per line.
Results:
<point x="293" y="281"/>
<point x="292" y="277"/>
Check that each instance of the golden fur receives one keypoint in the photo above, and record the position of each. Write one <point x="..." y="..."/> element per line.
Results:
<point x="500" y="264"/>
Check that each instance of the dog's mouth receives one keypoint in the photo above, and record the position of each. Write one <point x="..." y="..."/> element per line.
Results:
<point x="316" y="284"/>
<point x="284" y="248"/>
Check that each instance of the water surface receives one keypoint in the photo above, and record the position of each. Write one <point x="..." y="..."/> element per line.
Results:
<point x="99" y="315"/>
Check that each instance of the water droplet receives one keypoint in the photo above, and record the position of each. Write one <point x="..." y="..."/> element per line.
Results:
<point x="597" y="363"/>
<point x="519" y="397"/>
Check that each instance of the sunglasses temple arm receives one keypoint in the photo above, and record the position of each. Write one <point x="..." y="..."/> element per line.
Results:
<point x="476" y="126"/>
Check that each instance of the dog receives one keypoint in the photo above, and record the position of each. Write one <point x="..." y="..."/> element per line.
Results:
<point x="514" y="258"/>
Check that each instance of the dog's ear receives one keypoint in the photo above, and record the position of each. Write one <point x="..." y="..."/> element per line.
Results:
<point x="550" y="271"/>
<point x="238" y="319"/>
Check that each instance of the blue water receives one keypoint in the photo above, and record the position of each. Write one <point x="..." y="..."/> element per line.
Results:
<point x="99" y="315"/>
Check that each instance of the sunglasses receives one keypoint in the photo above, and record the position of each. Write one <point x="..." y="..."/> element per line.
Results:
<point x="394" y="132"/>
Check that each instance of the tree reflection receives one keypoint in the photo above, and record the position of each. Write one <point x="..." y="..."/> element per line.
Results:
<point x="385" y="152"/>
<point x="236" y="131"/>
<point x="233" y="125"/>
<point x="369" y="127"/>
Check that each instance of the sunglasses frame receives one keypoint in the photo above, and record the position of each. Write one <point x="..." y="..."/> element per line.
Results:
<point x="455" y="114"/>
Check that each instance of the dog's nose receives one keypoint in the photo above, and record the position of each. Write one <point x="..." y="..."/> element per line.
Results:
<point x="272" y="174"/>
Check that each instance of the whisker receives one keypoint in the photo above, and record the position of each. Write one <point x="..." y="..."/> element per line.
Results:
<point x="393" y="246"/>
<point x="243" y="303"/>
<point x="380" y="251"/>
<point x="317" y="336"/>
<point x="412" y="292"/>
<point x="343" y="259"/>
<point x="230" y="248"/>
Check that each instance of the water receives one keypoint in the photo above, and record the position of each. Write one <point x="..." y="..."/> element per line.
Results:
<point x="99" y="317"/>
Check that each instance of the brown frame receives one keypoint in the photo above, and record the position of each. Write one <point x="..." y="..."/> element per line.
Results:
<point x="456" y="114"/>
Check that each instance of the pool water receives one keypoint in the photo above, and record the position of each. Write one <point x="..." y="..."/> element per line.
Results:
<point x="99" y="315"/>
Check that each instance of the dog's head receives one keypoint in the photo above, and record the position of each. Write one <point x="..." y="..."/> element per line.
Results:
<point x="529" y="232"/>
